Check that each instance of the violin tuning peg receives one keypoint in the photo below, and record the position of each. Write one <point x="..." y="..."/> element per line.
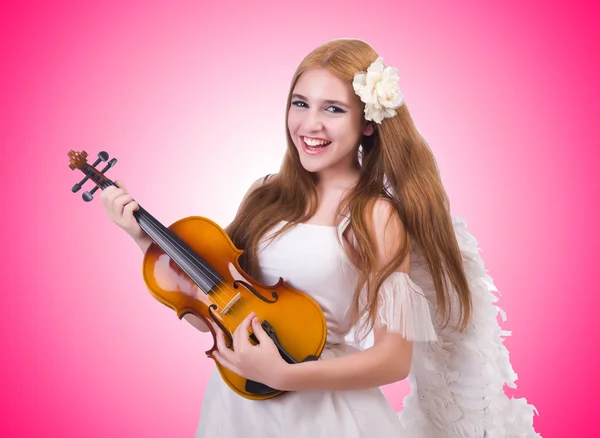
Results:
<point x="102" y="156"/>
<point x="110" y="164"/>
<point x="88" y="196"/>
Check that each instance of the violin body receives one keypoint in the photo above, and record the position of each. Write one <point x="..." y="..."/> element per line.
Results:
<point x="295" y="318"/>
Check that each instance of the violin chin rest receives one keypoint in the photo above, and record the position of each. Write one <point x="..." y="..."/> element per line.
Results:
<point x="258" y="388"/>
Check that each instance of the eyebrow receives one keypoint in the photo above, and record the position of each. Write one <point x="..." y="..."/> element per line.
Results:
<point x="330" y="102"/>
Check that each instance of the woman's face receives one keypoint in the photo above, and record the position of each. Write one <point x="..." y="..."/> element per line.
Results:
<point x="326" y="121"/>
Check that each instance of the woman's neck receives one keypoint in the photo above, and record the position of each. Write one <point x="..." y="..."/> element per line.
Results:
<point x="336" y="179"/>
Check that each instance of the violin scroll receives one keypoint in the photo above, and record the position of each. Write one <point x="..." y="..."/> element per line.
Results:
<point x="78" y="160"/>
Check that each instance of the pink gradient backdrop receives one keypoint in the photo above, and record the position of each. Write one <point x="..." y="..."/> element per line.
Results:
<point x="190" y="99"/>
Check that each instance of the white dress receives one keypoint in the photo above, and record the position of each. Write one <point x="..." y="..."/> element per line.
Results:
<point x="456" y="380"/>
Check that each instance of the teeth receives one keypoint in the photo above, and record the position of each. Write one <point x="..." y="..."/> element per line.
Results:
<point x="314" y="142"/>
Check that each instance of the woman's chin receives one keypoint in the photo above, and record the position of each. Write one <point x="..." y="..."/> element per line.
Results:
<point x="312" y="165"/>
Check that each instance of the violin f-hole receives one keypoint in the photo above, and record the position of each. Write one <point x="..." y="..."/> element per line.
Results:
<point x="255" y="292"/>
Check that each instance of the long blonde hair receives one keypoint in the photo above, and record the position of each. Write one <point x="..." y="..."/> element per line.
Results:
<point x="397" y="164"/>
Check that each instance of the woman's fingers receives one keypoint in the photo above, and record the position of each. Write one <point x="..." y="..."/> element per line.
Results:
<point x="119" y="207"/>
<point x="240" y="336"/>
<point x="226" y="363"/>
<point x="221" y="346"/>
<point x="129" y="209"/>
<point x="259" y="332"/>
<point x="120" y="184"/>
<point x="119" y="202"/>
<point x="108" y="197"/>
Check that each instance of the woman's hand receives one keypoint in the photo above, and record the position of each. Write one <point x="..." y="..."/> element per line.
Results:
<point x="261" y="363"/>
<point x="119" y="206"/>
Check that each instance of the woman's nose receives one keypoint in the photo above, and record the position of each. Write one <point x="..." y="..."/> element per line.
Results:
<point x="313" y="121"/>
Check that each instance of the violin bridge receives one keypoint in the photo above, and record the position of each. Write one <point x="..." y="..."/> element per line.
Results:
<point x="231" y="303"/>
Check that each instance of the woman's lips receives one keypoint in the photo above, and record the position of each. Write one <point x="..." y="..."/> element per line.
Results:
<point x="314" y="151"/>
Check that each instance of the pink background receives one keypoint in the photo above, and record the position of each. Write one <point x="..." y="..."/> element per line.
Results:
<point x="190" y="99"/>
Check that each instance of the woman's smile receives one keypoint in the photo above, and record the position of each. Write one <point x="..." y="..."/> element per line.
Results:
<point x="314" y="146"/>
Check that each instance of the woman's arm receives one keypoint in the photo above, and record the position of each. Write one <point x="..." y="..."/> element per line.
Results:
<point x="386" y="362"/>
<point x="390" y="357"/>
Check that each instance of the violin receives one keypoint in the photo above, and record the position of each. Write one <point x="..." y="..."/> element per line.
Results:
<point x="192" y="267"/>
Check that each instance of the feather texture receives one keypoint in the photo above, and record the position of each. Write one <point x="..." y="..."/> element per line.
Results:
<point x="457" y="382"/>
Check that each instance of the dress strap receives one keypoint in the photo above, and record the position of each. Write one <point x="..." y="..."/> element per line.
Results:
<point x="344" y="223"/>
<point x="267" y="177"/>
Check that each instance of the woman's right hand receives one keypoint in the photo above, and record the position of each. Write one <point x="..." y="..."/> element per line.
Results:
<point x="119" y="206"/>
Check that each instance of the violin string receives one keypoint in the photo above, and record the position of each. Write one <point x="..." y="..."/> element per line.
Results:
<point x="190" y="263"/>
<point x="193" y="263"/>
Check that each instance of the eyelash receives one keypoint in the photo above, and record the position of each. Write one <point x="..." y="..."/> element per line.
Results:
<point x="339" y="110"/>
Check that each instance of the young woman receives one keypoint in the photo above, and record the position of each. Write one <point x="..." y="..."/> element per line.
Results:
<point x="358" y="218"/>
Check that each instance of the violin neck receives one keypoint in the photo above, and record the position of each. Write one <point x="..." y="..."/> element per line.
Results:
<point x="194" y="266"/>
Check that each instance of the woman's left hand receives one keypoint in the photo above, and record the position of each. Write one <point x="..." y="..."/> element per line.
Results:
<point x="261" y="363"/>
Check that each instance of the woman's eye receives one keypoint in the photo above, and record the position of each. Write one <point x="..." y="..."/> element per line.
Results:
<point x="337" y="110"/>
<point x="302" y="104"/>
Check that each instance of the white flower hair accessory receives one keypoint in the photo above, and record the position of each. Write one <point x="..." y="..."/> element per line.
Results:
<point x="379" y="89"/>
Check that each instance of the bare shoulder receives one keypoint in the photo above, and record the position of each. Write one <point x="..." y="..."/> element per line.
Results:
<point x="388" y="231"/>
<point x="255" y="185"/>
